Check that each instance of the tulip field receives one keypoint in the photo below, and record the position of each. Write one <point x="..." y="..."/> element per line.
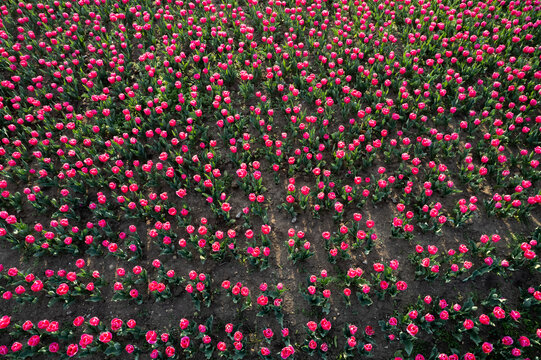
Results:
<point x="270" y="179"/>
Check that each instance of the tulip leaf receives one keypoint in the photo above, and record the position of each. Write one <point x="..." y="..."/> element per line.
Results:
<point x="408" y="346"/>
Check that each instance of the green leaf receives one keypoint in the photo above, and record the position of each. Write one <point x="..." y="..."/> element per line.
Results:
<point x="477" y="273"/>
<point x="209" y="322"/>
<point x="26" y="353"/>
<point x="434" y="353"/>
<point x="208" y="351"/>
<point x="280" y="318"/>
<point x="326" y="308"/>
<point x="197" y="304"/>
<point x="475" y="338"/>
<point x="239" y="355"/>
<point x="468" y="305"/>
<point x="114" y="350"/>
<point x="53" y="301"/>
<point x="408" y="346"/>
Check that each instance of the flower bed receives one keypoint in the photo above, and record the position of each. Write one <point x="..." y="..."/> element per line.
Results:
<point x="283" y="179"/>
